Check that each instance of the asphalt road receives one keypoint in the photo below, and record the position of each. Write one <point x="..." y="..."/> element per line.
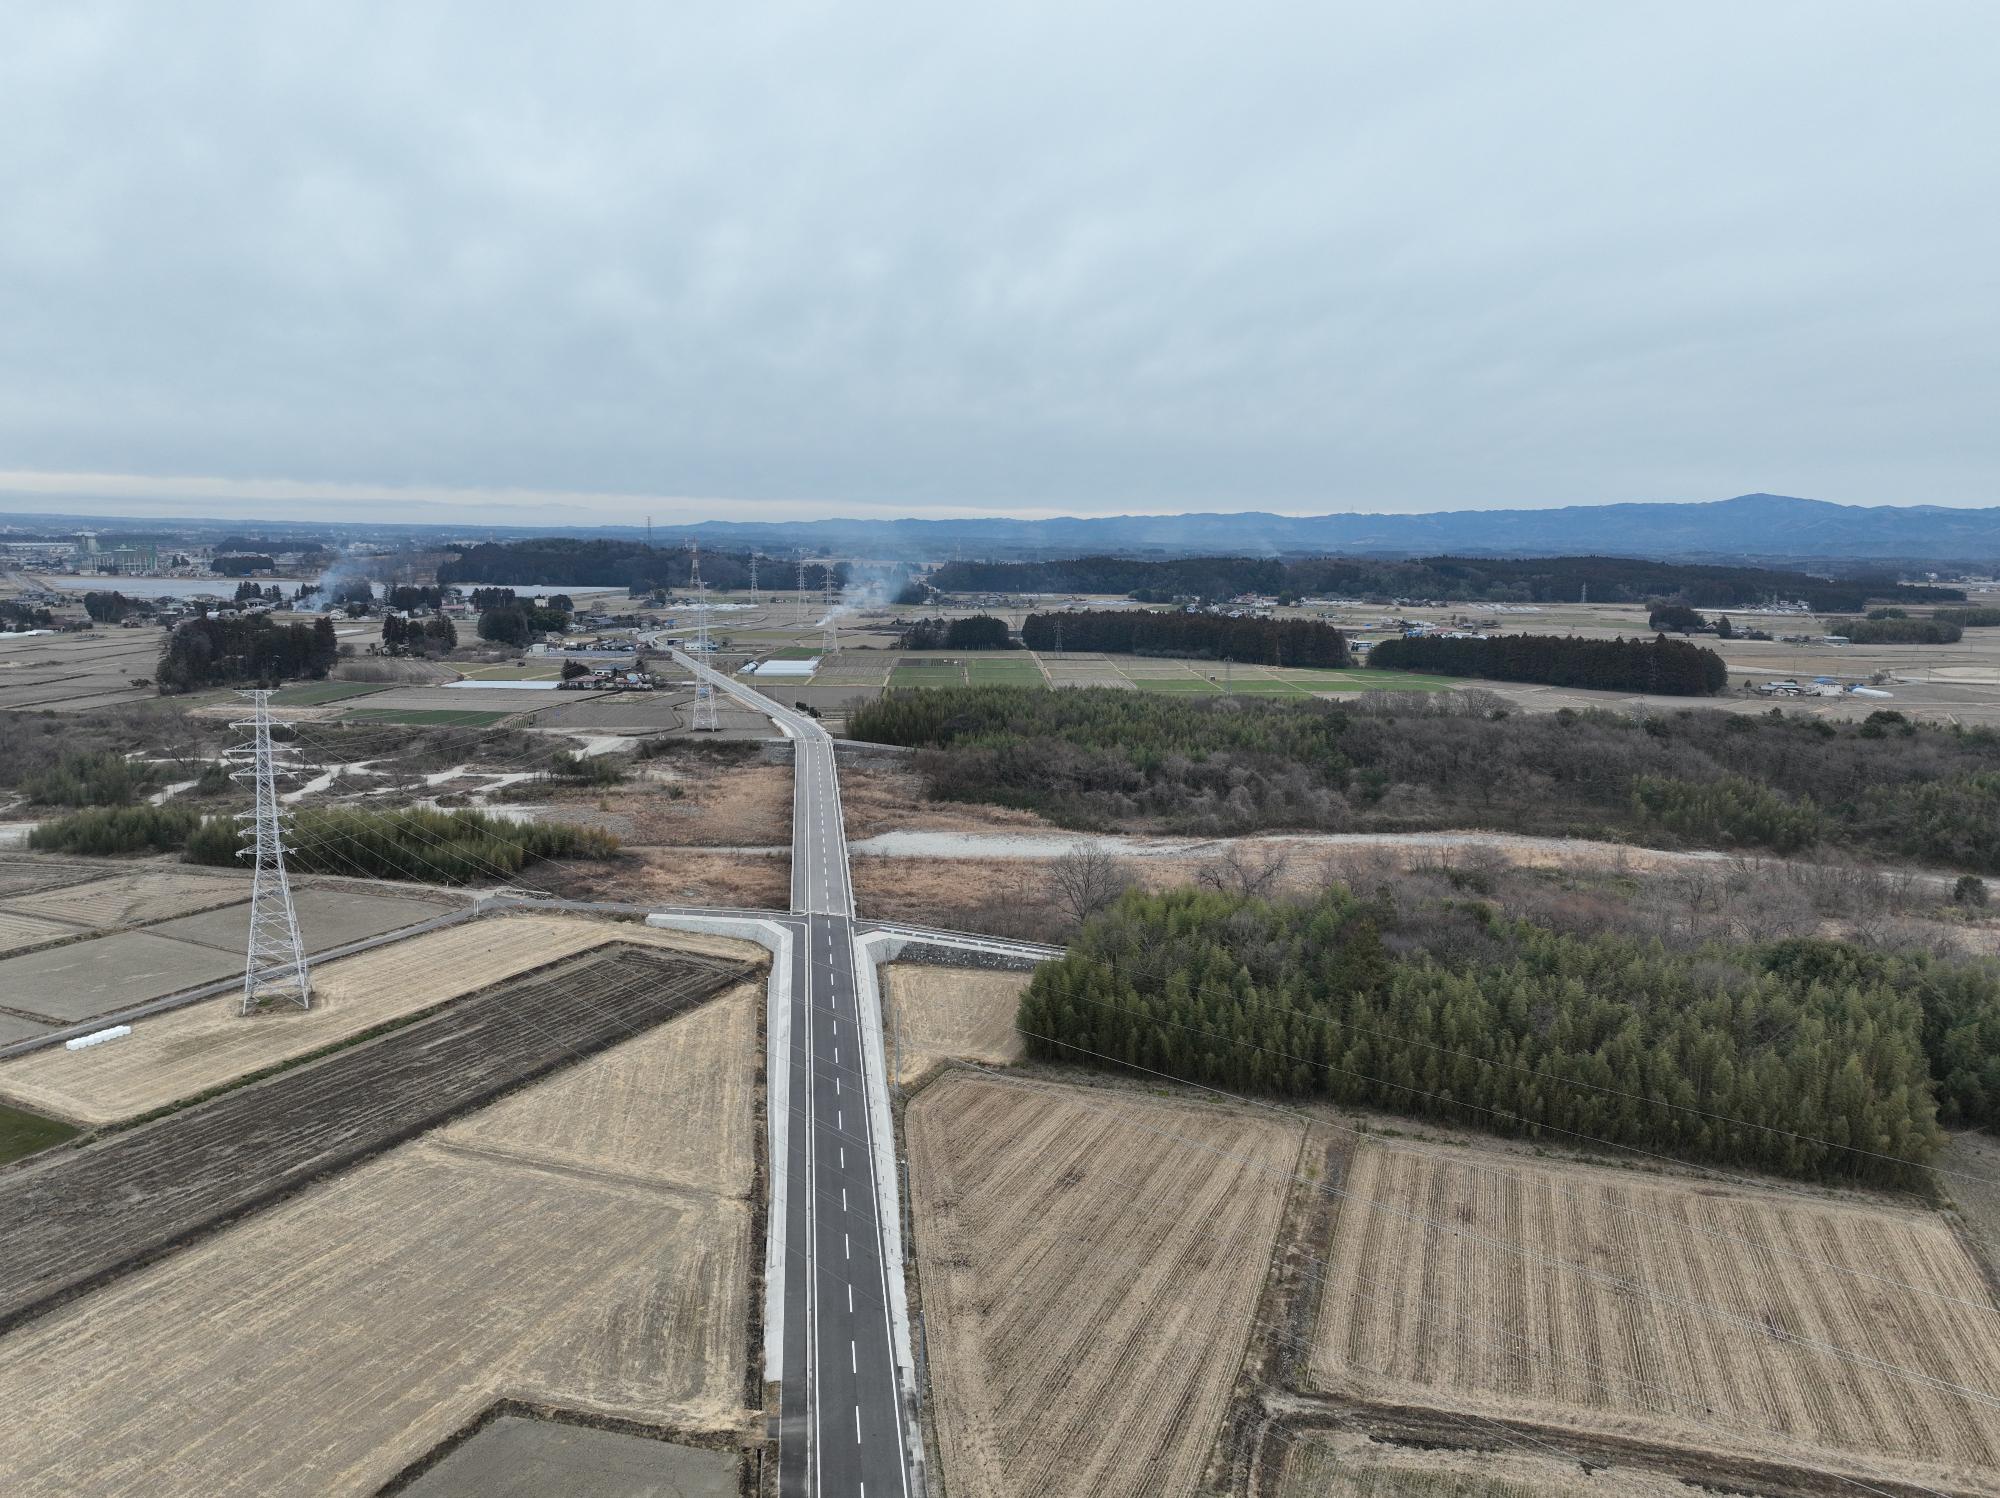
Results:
<point x="841" y="1416"/>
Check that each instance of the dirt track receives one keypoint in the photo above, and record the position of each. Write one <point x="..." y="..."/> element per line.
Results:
<point x="82" y="1216"/>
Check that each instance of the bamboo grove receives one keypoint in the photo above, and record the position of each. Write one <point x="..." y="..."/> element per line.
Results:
<point x="1804" y="1057"/>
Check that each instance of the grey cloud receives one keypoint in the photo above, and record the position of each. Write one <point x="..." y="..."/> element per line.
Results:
<point x="1077" y="256"/>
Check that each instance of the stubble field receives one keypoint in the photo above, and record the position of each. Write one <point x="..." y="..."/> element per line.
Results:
<point x="546" y="1252"/>
<point x="940" y="1012"/>
<point x="1697" y="1315"/>
<point x="1089" y="1262"/>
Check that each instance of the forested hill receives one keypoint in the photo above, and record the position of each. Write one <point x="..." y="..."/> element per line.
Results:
<point x="564" y="561"/>
<point x="1488" y="579"/>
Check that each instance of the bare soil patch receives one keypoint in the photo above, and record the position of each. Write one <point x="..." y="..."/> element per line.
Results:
<point x="936" y="1013"/>
<point x="689" y="801"/>
<point x="890" y="798"/>
<point x="1086" y="1344"/>
<point x="1326" y="1464"/>
<point x="1537" y="1292"/>
<point x="516" y="1457"/>
<point x="683" y="876"/>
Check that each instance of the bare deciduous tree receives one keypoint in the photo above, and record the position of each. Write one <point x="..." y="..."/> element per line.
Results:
<point x="1236" y="871"/>
<point x="1087" y="879"/>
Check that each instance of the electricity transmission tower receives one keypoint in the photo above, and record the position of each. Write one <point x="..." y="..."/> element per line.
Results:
<point x="829" y="634"/>
<point x="753" y="579"/>
<point x="274" y="971"/>
<point x="799" y="597"/>
<point x="704" y="694"/>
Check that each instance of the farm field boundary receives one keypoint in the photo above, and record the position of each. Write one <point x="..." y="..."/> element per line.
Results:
<point x="99" y="1211"/>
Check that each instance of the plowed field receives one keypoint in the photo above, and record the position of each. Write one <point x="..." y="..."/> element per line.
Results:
<point x="325" y="1344"/>
<point x="20" y="932"/>
<point x="188" y="1051"/>
<point x="1687" y="1313"/>
<point x="133" y="899"/>
<point x="102" y="1209"/>
<point x="1089" y="1263"/>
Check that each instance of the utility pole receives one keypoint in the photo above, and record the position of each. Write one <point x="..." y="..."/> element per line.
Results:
<point x="704" y="695"/>
<point x="274" y="968"/>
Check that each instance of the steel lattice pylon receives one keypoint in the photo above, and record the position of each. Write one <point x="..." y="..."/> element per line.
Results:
<point x="829" y="633"/>
<point x="705" y="720"/>
<point x="274" y="969"/>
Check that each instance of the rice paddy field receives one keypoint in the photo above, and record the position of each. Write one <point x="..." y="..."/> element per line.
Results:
<point x="320" y="693"/>
<point x="872" y="671"/>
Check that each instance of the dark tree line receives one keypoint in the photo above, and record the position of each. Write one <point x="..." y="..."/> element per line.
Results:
<point x="110" y="608"/>
<point x="244" y="652"/>
<point x="249" y="592"/>
<point x="405" y="597"/>
<point x="1098" y="759"/>
<point x="1213" y="637"/>
<point x="980" y="632"/>
<point x="1897" y="631"/>
<point x="1968" y="618"/>
<point x="418" y="636"/>
<point x="15" y="615"/>
<point x="1672" y="667"/>
<point x="242" y="566"/>
<point x="1742" y="1056"/>
<point x="517" y="624"/>
<point x="1492" y="579"/>
<point x="560" y="561"/>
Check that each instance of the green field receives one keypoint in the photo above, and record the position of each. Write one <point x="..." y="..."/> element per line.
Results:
<point x="319" y="693"/>
<point x="426" y="716"/>
<point x="987" y="672"/>
<point x="24" y="1133"/>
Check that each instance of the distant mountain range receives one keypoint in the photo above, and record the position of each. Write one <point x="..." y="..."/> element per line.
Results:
<point x="1772" y="526"/>
<point x="1755" y="527"/>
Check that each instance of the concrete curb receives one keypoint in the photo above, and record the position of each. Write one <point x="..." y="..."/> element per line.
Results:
<point x="776" y="938"/>
<point x="870" y="950"/>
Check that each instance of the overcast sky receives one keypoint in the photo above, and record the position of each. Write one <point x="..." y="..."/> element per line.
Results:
<point x="767" y="260"/>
